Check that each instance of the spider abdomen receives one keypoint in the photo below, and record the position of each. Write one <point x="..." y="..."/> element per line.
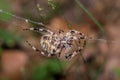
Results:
<point x="50" y="44"/>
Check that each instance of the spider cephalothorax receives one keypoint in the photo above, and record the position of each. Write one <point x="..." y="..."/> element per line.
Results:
<point x="53" y="44"/>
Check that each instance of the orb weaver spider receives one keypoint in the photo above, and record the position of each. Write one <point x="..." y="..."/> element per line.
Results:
<point x="52" y="44"/>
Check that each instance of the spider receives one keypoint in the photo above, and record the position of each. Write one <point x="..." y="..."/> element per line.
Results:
<point x="53" y="44"/>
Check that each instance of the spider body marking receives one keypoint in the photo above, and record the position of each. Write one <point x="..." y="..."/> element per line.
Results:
<point x="52" y="44"/>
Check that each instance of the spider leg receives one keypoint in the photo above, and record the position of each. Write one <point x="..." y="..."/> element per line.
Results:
<point x="84" y="38"/>
<point x="83" y="46"/>
<point x="80" y="37"/>
<point x="35" y="49"/>
<point x="41" y="30"/>
<point x="73" y="54"/>
<point x="79" y="50"/>
<point x="70" y="56"/>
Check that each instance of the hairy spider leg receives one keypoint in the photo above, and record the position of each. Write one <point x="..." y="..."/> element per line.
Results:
<point x="79" y="50"/>
<point x="84" y="38"/>
<point x="41" y="30"/>
<point x="34" y="48"/>
<point x="81" y="36"/>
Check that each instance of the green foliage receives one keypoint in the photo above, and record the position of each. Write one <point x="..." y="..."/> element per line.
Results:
<point x="55" y="8"/>
<point x="8" y="38"/>
<point x="0" y="60"/>
<point x="0" y="50"/>
<point x="90" y="15"/>
<point x="52" y="4"/>
<point x="4" y="6"/>
<point x="4" y="78"/>
<point x="47" y="71"/>
<point x="117" y="72"/>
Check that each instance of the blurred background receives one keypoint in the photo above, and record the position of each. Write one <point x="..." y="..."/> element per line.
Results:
<point x="99" y="19"/>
